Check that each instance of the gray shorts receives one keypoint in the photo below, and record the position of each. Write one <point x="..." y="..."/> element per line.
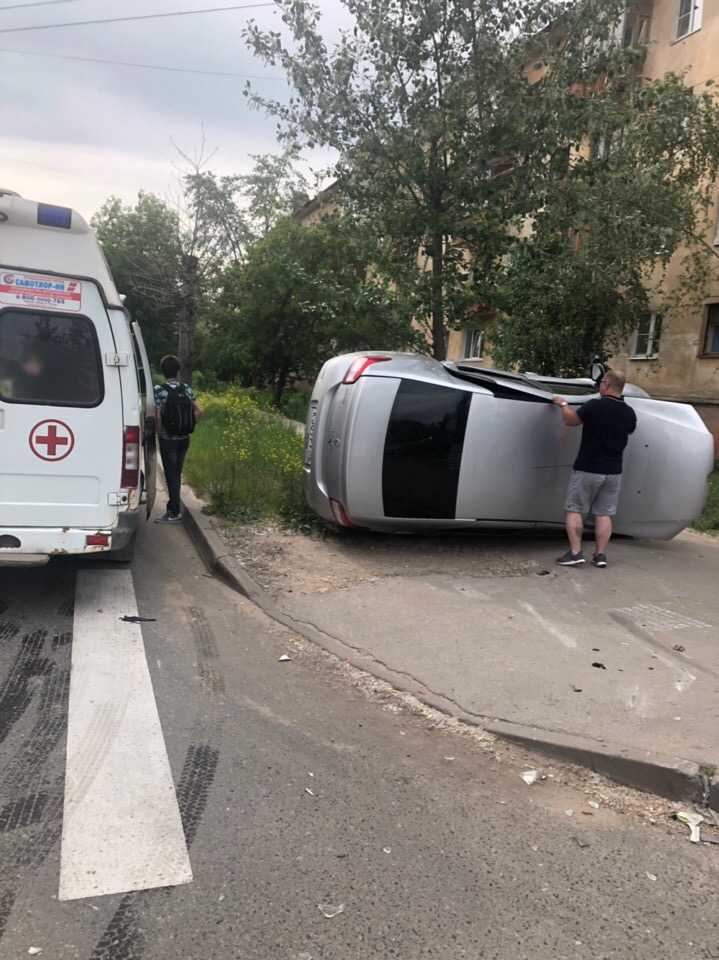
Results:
<point x="595" y="493"/>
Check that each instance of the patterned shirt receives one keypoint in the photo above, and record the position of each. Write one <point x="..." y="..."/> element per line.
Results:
<point x="161" y="400"/>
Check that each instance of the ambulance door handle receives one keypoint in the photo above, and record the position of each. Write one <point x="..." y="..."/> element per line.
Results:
<point x="115" y="359"/>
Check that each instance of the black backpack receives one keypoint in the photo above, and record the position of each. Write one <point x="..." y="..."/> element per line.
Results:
<point x="178" y="417"/>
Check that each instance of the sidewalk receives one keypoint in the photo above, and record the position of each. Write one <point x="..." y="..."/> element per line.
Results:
<point x="616" y="668"/>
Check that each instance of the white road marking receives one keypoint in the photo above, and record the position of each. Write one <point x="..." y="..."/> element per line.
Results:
<point x="121" y="828"/>
<point x="569" y="642"/>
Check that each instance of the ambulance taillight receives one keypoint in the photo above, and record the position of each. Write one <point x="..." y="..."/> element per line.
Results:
<point x="131" y="458"/>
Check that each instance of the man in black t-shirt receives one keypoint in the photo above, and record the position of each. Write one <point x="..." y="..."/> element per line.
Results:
<point x="597" y="474"/>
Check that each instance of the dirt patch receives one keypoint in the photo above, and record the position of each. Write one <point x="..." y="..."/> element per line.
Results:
<point x="284" y="562"/>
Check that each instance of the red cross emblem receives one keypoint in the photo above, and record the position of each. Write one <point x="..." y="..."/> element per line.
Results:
<point x="51" y="440"/>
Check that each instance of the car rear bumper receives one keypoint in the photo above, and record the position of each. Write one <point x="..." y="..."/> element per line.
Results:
<point x="35" y="544"/>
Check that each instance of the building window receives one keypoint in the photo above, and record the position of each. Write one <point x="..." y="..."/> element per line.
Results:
<point x="473" y="344"/>
<point x="646" y="337"/>
<point x="711" y="338"/>
<point x="689" y="17"/>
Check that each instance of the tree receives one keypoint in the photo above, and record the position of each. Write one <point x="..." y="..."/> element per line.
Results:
<point x="461" y="129"/>
<point x="300" y="296"/>
<point x="141" y="245"/>
<point x="273" y="189"/>
<point x="167" y="258"/>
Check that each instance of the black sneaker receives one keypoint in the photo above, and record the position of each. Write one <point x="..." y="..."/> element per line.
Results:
<point x="168" y="518"/>
<point x="599" y="559"/>
<point x="571" y="559"/>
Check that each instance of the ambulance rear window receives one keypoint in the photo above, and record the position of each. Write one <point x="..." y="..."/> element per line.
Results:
<point x="49" y="359"/>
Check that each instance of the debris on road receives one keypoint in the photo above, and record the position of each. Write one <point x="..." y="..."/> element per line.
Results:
<point x="307" y="790"/>
<point x="437" y="725"/>
<point x="329" y="910"/>
<point x="386" y="849"/>
<point x="598" y="665"/>
<point x="679" y="647"/>
<point x="127" y="619"/>
<point x="284" y="658"/>
<point x="530" y="776"/>
<point x="651" y="876"/>
<point x="581" y="843"/>
<point x="569" y="813"/>
<point x="593" y="804"/>
<point x="35" y="951"/>
<point x="692" y="820"/>
<point x="576" y="689"/>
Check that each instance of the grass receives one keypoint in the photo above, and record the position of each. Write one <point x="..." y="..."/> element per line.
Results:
<point x="708" y="522"/>
<point x="245" y="463"/>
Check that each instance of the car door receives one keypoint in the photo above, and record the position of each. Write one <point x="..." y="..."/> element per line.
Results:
<point x="149" y="433"/>
<point x="61" y="421"/>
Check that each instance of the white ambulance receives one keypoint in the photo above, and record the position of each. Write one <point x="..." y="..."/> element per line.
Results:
<point x="77" y="415"/>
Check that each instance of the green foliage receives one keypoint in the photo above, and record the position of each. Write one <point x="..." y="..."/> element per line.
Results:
<point x="709" y="520"/>
<point x="300" y="297"/>
<point x="452" y="154"/>
<point x="556" y="307"/>
<point x="141" y="247"/>
<point x="246" y="463"/>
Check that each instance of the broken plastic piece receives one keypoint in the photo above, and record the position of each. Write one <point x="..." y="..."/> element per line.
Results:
<point x="35" y="951"/>
<point x="593" y="804"/>
<point x="693" y="820"/>
<point x="307" y="790"/>
<point x="529" y="776"/>
<point x="651" y="876"/>
<point x="386" y="849"/>
<point x="284" y="657"/>
<point x="450" y="758"/>
<point x="329" y="910"/>
<point x="600" y="666"/>
<point x="679" y="647"/>
<point x="304" y="956"/>
<point x="436" y="725"/>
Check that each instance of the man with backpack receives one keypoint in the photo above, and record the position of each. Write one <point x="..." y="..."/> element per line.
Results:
<point x="177" y="412"/>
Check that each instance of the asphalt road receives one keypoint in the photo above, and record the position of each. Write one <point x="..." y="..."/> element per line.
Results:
<point x="293" y="789"/>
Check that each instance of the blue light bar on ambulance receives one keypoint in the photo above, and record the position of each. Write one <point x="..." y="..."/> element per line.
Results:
<point x="50" y="216"/>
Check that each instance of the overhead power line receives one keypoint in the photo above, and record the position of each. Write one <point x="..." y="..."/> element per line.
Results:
<point x="143" y="66"/>
<point x="147" y="16"/>
<point x="39" y="3"/>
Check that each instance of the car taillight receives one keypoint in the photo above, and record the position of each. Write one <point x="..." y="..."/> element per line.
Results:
<point x="358" y="367"/>
<point x="340" y="515"/>
<point x="131" y="458"/>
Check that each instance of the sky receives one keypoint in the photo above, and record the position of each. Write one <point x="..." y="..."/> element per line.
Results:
<point x="75" y="133"/>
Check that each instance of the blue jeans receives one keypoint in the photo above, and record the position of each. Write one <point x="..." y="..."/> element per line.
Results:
<point x="173" y="453"/>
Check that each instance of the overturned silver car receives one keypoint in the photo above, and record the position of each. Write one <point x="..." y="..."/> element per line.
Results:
<point x="396" y="441"/>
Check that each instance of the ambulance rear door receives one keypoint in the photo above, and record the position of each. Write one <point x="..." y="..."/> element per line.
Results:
<point x="61" y="419"/>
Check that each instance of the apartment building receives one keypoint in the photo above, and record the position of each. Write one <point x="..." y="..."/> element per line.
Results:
<point x="674" y="357"/>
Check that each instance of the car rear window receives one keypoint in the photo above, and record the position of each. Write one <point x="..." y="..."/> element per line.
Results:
<point x="423" y="451"/>
<point x="49" y="359"/>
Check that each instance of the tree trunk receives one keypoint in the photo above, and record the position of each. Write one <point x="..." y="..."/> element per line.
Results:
<point x="188" y="315"/>
<point x="439" y="350"/>
<point x="280" y="384"/>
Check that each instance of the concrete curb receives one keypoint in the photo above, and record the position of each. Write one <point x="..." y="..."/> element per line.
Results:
<point x="666" y="776"/>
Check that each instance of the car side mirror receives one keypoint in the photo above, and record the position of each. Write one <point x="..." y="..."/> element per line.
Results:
<point x="598" y="371"/>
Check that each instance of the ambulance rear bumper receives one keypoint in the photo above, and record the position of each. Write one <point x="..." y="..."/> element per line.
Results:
<point x="37" y="544"/>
